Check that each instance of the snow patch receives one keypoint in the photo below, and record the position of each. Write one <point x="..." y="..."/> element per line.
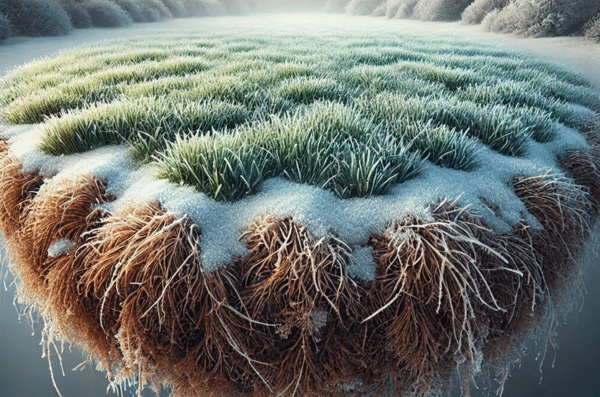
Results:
<point x="61" y="247"/>
<point x="364" y="266"/>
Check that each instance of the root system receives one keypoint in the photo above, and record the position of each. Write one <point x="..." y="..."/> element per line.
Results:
<point x="450" y="296"/>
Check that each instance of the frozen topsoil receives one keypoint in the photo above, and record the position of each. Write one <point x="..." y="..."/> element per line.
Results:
<point x="576" y="53"/>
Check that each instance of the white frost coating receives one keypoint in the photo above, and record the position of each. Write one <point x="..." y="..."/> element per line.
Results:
<point x="61" y="247"/>
<point x="365" y="266"/>
<point x="353" y="220"/>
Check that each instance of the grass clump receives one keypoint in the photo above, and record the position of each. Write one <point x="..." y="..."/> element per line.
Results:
<point x="330" y="146"/>
<point x="223" y="167"/>
<point x="352" y="114"/>
<point x="142" y="122"/>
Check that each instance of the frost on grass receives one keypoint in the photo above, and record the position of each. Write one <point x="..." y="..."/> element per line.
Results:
<point x="242" y="109"/>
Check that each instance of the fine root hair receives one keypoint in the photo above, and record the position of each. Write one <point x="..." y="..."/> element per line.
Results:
<point x="17" y="188"/>
<point x="174" y="323"/>
<point x="562" y="207"/>
<point x="584" y="168"/>
<point x="61" y="209"/>
<point x="303" y="304"/>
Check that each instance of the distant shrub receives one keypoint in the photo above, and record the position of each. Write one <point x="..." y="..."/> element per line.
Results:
<point x="389" y="8"/>
<point x="77" y="13"/>
<point x="406" y="9"/>
<point x="338" y="6"/>
<point x="176" y="8"/>
<point x="381" y="10"/>
<point x="6" y="27"/>
<point x="397" y="9"/>
<point x="478" y="9"/>
<point x="542" y="18"/>
<point x="440" y="10"/>
<point x="106" y="14"/>
<point x="145" y="10"/>
<point x="363" y="7"/>
<point x="156" y="7"/>
<point x="37" y="17"/>
<point x="592" y="29"/>
<point x="134" y="9"/>
<point x="203" y="7"/>
<point x="236" y="7"/>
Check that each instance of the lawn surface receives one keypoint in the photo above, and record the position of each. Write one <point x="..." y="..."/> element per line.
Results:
<point x="352" y="113"/>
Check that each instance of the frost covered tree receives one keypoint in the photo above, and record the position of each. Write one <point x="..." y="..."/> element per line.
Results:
<point x="592" y="29"/>
<point x="80" y="18"/>
<point x="440" y="10"/>
<point x="106" y="14"/>
<point x="36" y="17"/>
<point x="478" y="9"/>
<point x="338" y="6"/>
<point x="363" y="7"/>
<point x="6" y="27"/>
<point x="176" y="8"/>
<point x="542" y="17"/>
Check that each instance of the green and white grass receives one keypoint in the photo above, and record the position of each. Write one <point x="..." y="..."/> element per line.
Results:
<point x="355" y="114"/>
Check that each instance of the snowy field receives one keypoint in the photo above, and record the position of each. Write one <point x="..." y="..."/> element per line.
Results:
<point x="579" y="340"/>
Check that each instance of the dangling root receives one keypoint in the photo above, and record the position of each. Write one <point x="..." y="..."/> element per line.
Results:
<point x="63" y="209"/>
<point x="174" y="323"/>
<point x="298" y="291"/>
<point x="17" y="188"/>
<point x="436" y="283"/>
<point x="584" y="168"/>
<point x="563" y="209"/>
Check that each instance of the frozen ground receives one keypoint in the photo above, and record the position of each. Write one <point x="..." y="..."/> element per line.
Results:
<point x="577" y="366"/>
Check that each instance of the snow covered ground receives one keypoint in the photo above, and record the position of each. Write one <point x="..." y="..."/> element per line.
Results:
<point x="577" y="365"/>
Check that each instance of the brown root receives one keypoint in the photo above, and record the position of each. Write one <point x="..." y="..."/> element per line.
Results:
<point x="584" y="168"/>
<point x="3" y="147"/>
<point x="63" y="209"/>
<point x="445" y="289"/>
<point x="287" y="319"/>
<point x="17" y="188"/>
<point x="426" y="285"/>
<point x="562" y="208"/>
<point x="174" y="323"/>
<point x="297" y="290"/>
